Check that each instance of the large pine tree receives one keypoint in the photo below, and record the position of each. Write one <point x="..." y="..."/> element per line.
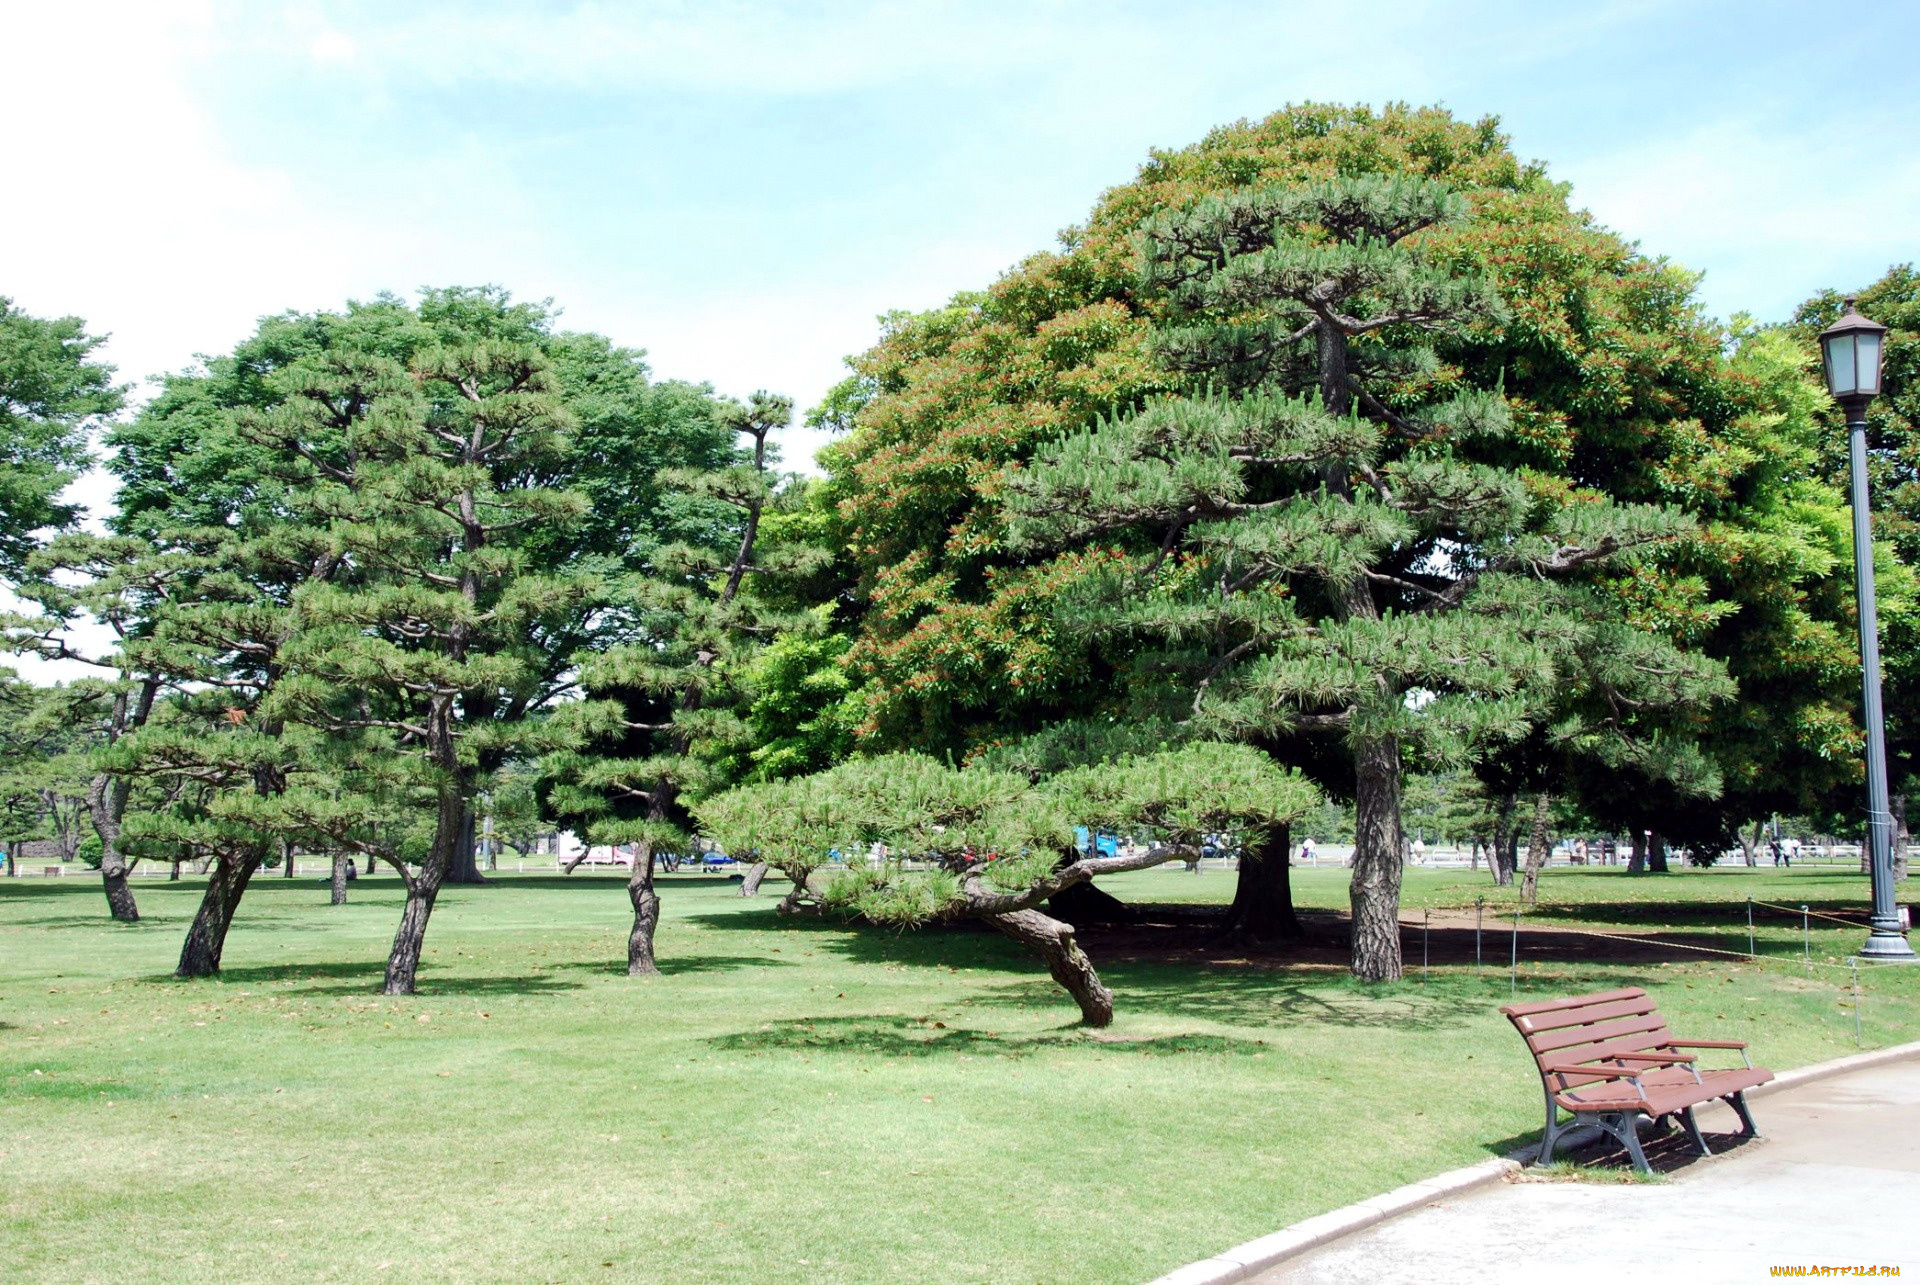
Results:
<point x="1330" y="535"/>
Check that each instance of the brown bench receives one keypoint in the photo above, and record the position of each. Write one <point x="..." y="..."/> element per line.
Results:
<point x="1609" y="1059"/>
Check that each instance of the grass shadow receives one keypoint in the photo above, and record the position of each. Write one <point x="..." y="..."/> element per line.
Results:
<point x="884" y="1036"/>
<point x="367" y="977"/>
<point x="676" y="965"/>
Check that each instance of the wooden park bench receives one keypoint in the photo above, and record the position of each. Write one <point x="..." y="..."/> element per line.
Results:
<point x="1609" y="1060"/>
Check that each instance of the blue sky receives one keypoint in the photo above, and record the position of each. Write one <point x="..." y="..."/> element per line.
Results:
<point x="741" y="188"/>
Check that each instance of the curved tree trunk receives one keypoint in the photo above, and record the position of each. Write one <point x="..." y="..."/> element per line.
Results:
<point x="1067" y="963"/>
<point x="1536" y="848"/>
<point x="108" y="800"/>
<point x="574" y="863"/>
<point x="1262" y="909"/>
<point x="646" y="914"/>
<point x="227" y="882"/>
<point x="750" y="883"/>
<point x="1657" y="853"/>
<point x="793" y="902"/>
<point x="423" y="889"/>
<point x="1374" y="892"/>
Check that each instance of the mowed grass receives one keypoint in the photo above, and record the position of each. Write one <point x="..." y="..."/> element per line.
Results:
<point x="792" y="1099"/>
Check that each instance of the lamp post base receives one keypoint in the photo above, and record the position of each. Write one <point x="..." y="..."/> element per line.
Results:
<point x="1888" y="947"/>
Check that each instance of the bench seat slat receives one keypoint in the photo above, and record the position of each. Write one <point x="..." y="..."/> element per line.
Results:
<point x="1663" y="1098"/>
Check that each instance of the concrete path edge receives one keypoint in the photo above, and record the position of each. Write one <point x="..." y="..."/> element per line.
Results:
<point x="1256" y="1256"/>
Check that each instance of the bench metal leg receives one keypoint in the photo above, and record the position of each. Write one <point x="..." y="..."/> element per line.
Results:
<point x="1625" y="1129"/>
<point x="1738" y="1101"/>
<point x="1693" y="1130"/>
<point x="1550" y="1140"/>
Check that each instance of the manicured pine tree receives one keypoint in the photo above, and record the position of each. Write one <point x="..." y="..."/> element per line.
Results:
<point x="425" y="481"/>
<point x="988" y="845"/>
<point x="662" y="702"/>
<point x="1329" y="536"/>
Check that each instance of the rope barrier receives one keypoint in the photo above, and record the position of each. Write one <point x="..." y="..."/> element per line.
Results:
<point x="1797" y="910"/>
<point x="1673" y="945"/>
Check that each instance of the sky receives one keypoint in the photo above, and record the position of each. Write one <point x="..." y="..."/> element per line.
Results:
<point x="742" y="189"/>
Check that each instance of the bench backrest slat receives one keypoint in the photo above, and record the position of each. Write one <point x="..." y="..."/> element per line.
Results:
<point x="1533" y="1007"/>
<point x="1571" y="1037"/>
<point x="1533" y="1023"/>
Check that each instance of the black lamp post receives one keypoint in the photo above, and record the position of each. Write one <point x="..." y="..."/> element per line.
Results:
<point x="1851" y="350"/>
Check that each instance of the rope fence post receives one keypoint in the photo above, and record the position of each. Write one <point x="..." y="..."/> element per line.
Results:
<point x="1806" y="939"/>
<point x="1425" y="955"/>
<point x="1478" y="903"/>
<point x="1750" y="950"/>
<point x="1513" y="959"/>
<point x="1853" y="966"/>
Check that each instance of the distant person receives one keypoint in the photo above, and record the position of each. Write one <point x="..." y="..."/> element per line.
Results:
<point x="1782" y="856"/>
<point x="1306" y="851"/>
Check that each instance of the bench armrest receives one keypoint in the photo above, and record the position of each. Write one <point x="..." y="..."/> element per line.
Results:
<point x="1739" y="1046"/>
<point x="1596" y="1070"/>
<point x="1661" y="1059"/>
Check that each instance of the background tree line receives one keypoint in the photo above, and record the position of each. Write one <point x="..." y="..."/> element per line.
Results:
<point x="1342" y="436"/>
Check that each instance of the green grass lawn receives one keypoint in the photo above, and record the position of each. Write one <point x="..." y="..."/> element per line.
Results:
<point x="791" y="1100"/>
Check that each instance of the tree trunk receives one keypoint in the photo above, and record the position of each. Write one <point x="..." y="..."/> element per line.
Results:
<point x="403" y="961"/>
<point x="791" y="903"/>
<point x="1637" y="863"/>
<point x="1500" y="858"/>
<point x="1374" y="892"/>
<point x="13" y="858"/>
<point x="1067" y="963"/>
<point x="1657" y="853"/>
<point x="207" y="938"/>
<point x="1750" y="844"/>
<point x="573" y="864"/>
<point x="1536" y="848"/>
<point x="174" y="875"/>
<point x="286" y="858"/>
<point x="646" y="913"/>
<point x="108" y="797"/>
<point x="1901" y="837"/>
<point x="423" y="889"/>
<point x="463" y="868"/>
<point x="337" y="881"/>
<point x="1262" y="909"/>
<point x="750" y="884"/>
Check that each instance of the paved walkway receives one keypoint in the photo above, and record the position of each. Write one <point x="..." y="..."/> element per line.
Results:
<point x="1835" y="1182"/>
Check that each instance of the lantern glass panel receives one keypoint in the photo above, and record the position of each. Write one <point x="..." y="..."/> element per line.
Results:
<point x="1866" y="350"/>
<point x="1841" y="379"/>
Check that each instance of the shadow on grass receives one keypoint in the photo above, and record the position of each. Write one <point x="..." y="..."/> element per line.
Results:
<point x="678" y="964"/>
<point x="367" y="977"/>
<point x="600" y="877"/>
<point x="914" y="1037"/>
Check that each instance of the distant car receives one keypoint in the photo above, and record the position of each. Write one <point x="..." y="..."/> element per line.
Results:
<point x="1104" y="845"/>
